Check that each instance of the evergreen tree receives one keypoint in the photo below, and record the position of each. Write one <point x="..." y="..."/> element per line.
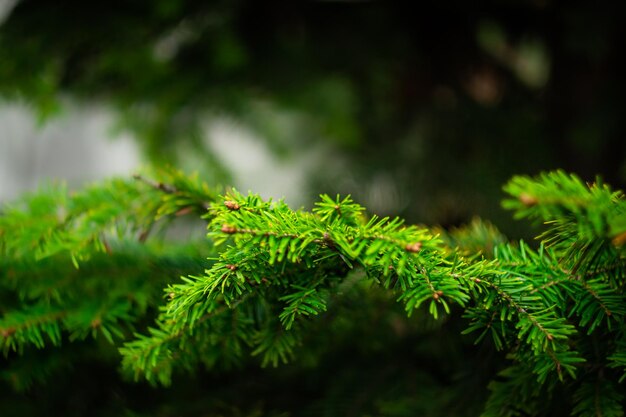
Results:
<point x="329" y="311"/>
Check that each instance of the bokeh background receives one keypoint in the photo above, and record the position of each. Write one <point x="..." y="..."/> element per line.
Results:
<point x="420" y="109"/>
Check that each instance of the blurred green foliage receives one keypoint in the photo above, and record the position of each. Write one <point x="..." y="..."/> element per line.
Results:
<point x="427" y="110"/>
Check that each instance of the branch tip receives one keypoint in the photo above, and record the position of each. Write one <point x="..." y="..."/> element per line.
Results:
<point x="413" y="247"/>
<point x="232" y="205"/>
<point x="228" y="229"/>
<point x="528" y="200"/>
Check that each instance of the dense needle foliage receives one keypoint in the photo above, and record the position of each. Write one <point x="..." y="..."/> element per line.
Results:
<point x="299" y="312"/>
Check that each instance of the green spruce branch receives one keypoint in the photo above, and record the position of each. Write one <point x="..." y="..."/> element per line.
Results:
<point x="276" y="271"/>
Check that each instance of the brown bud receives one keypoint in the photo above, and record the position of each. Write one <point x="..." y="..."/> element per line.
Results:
<point x="231" y="205"/>
<point x="231" y="267"/>
<point x="228" y="229"/>
<point x="413" y="247"/>
<point x="97" y="322"/>
<point x="528" y="200"/>
<point x="437" y="294"/>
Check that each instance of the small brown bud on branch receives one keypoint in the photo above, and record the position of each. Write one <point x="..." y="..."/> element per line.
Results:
<point x="413" y="247"/>
<point x="231" y="205"/>
<point x="228" y="229"/>
<point x="528" y="200"/>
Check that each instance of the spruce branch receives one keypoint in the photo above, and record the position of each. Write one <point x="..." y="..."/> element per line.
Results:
<point x="277" y="273"/>
<point x="272" y="245"/>
<point x="34" y="325"/>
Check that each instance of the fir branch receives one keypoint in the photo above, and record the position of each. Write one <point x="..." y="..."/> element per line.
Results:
<point x="30" y="326"/>
<point x="577" y="209"/>
<point x="279" y="270"/>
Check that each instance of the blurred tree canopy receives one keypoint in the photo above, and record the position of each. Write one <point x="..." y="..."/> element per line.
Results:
<point x="426" y="108"/>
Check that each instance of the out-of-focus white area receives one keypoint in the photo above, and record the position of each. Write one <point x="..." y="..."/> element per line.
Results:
<point x="5" y="8"/>
<point x="255" y="168"/>
<point x="78" y="147"/>
<point x="75" y="147"/>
